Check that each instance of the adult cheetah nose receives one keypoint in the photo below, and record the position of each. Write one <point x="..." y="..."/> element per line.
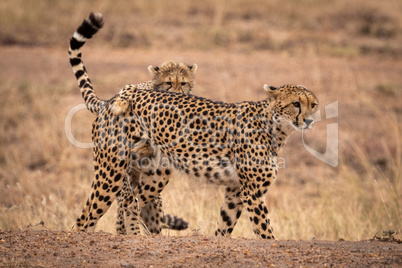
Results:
<point x="308" y="122"/>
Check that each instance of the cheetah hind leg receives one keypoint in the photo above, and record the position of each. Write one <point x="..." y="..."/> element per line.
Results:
<point x="120" y="225"/>
<point x="151" y="183"/>
<point x="124" y="198"/>
<point x="154" y="218"/>
<point x="125" y="222"/>
<point x="78" y="225"/>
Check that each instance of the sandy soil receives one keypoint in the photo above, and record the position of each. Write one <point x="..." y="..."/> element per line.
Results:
<point x="68" y="249"/>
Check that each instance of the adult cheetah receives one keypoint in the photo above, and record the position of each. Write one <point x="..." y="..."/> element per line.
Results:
<point x="231" y="144"/>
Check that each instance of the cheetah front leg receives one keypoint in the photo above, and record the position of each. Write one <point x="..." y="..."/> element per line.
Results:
<point x="230" y="211"/>
<point x="258" y="213"/>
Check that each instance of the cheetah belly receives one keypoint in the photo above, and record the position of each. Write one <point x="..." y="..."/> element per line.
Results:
<point x="209" y="170"/>
<point x="215" y="173"/>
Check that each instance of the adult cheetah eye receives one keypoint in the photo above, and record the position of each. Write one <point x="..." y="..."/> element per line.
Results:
<point x="313" y="105"/>
<point x="169" y="83"/>
<point x="183" y="84"/>
<point x="296" y="104"/>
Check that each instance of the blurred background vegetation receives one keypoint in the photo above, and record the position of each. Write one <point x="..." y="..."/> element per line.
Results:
<point x="334" y="26"/>
<point x="345" y="51"/>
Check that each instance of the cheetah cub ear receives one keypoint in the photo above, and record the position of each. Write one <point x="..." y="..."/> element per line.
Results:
<point x="153" y="70"/>
<point x="193" y="68"/>
<point x="268" y="88"/>
<point x="272" y="91"/>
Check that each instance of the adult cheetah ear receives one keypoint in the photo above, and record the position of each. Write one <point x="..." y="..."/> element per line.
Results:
<point x="272" y="91"/>
<point x="193" y="67"/>
<point x="153" y="69"/>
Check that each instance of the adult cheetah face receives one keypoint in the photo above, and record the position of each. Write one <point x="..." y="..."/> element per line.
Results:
<point x="293" y="105"/>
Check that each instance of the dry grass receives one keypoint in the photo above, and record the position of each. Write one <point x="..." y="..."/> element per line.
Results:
<point x="339" y="50"/>
<point x="338" y="28"/>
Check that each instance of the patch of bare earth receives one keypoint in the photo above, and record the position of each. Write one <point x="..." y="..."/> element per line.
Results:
<point x="56" y="249"/>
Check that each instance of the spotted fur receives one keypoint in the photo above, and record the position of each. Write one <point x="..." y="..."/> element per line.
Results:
<point x="170" y="76"/>
<point x="230" y="144"/>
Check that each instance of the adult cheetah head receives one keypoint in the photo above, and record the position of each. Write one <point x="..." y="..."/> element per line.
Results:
<point x="293" y="106"/>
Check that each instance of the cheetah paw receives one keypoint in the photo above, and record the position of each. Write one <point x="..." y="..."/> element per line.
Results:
<point x="120" y="106"/>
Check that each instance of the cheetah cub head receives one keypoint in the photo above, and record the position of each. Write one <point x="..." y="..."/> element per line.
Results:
<point x="173" y="76"/>
<point x="293" y="106"/>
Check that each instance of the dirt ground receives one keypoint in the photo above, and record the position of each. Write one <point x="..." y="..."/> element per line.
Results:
<point x="33" y="248"/>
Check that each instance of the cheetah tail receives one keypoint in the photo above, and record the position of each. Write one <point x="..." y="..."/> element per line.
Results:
<point x="174" y="222"/>
<point x="85" y="31"/>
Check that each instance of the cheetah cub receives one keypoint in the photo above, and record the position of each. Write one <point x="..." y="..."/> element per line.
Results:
<point x="170" y="76"/>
